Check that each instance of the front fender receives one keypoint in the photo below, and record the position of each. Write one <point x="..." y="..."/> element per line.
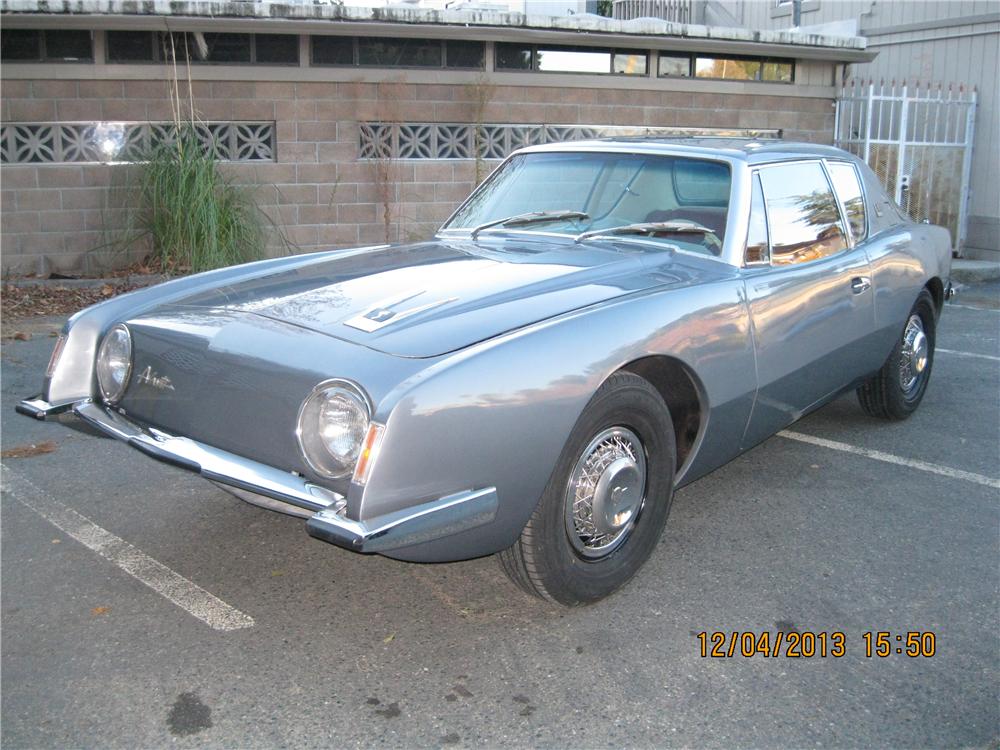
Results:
<point x="498" y="414"/>
<point x="73" y="377"/>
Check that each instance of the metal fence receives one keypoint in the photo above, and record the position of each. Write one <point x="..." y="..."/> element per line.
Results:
<point x="918" y="140"/>
<point x="676" y="11"/>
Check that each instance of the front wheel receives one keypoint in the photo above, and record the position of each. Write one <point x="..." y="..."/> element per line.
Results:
<point x="607" y="501"/>
<point x="895" y="391"/>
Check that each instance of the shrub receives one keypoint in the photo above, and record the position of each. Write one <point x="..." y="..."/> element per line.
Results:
<point x="194" y="216"/>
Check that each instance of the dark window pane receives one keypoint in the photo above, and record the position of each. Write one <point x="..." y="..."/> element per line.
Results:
<point x="845" y="183"/>
<point x="333" y="50"/>
<point x="222" y="48"/>
<point x="20" y="44"/>
<point x="631" y="63"/>
<point x="177" y="44"/>
<point x="569" y="60"/>
<point x="718" y="67"/>
<point x="513" y="57"/>
<point x="675" y="65"/>
<point x="783" y="72"/>
<point x="757" y="233"/>
<point x="68" y="45"/>
<point x="701" y="183"/>
<point x="464" y="54"/>
<point x="130" y="46"/>
<point x="408" y="53"/>
<point x="801" y="213"/>
<point x="277" y="48"/>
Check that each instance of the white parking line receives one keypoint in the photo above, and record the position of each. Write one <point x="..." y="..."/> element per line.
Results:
<point x="971" y="307"/>
<point x="174" y="587"/>
<point x="966" y="354"/>
<point x="889" y="458"/>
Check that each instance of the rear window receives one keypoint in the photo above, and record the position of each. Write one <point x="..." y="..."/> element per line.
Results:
<point x="701" y="183"/>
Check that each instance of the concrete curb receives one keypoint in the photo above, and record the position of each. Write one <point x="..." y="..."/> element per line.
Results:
<point x="974" y="271"/>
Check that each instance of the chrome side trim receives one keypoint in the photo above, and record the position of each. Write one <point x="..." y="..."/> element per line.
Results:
<point x="421" y="523"/>
<point x="289" y="493"/>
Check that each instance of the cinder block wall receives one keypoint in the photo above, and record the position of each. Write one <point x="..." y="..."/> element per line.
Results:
<point x="56" y="217"/>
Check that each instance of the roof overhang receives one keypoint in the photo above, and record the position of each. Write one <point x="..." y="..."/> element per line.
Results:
<point x="646" y="33"/>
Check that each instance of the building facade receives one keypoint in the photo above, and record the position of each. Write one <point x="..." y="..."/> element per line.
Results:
<point x="928" y="41"/>
<point x="356" y="126"/>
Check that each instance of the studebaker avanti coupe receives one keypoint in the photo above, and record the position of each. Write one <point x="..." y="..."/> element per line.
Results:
<point x="598" y="324"/>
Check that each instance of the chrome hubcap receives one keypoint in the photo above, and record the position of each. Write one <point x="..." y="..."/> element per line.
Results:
<point x="606" y="492"/>
<point x="914" y="356"/>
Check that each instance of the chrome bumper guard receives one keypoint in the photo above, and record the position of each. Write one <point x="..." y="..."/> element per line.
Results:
<point x="420" y="523"/>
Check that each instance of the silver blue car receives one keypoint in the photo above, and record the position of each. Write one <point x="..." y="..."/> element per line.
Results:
<point x="598" y="324"/>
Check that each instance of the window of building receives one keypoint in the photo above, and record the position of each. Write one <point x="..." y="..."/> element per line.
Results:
<point x="130" y="46"/>
<point x="391" y="52"/>
<point x="848" y="189"/>
<point x="802" y="215"/>
<point x="400" y="53"/>
<point x="744" y="69"/>
<point x="631" y="63"/>
<point x="463" y="54"/>
<point x="202" y="47"/>
<point x="276" y="49"/>
<point x="333" y="50"/>
<point x="671" y="66"/>
<point x="780" y="71"/>
<point x="513" y="56"/>
<point x="49" y="45"/>
<point x="561" y="59"/>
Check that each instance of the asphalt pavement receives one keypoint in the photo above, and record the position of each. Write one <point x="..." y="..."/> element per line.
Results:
<point x="144" y="607"/>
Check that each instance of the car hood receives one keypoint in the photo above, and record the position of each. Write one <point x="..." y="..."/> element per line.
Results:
<point x="432" y="298"/>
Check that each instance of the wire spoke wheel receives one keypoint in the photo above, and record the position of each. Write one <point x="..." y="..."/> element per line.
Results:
<point x="606" y="493"/>
<point x="913" y="356"/>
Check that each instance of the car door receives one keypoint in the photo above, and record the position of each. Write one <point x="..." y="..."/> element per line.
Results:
<point x="808" y="288"/>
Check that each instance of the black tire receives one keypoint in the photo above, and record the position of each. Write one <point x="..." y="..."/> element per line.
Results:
<point x="546" y="561"/>
<point x="885" y="395"/>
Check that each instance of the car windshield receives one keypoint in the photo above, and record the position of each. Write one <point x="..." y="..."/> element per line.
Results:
<point x="676" y="201"/>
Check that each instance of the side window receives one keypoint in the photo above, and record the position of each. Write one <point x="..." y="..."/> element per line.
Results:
<point x="848" y="189"/>
<point x="802" y="213"/>
<point x="756" y="251"/>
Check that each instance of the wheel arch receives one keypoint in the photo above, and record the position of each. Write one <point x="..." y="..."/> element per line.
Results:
<point x="680" y="389"/>
<point x="936" y="288"/>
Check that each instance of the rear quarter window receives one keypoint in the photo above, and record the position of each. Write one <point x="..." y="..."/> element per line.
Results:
<point x="848" y="188"/>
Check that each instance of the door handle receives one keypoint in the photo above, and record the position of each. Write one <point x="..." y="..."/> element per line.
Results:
<point x="860" y="284"/>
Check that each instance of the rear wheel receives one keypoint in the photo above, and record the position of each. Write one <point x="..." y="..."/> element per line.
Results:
<point x="896" y="390"/>
<point x="607" y="501"/>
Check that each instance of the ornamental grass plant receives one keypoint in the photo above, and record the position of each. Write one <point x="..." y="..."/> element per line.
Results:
<point x="193" y="215"/>
<point x="179" y="200"/>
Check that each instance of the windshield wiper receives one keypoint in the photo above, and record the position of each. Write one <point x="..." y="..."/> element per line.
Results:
<point x="648" y="227"/>
<point x="530" y="218"/>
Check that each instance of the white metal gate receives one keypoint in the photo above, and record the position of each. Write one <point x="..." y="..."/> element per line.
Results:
<point x="918" y="140"/>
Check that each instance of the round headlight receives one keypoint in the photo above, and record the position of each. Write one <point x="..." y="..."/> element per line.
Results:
<point x="114" y="363"/>
<point x="332" y="424"/>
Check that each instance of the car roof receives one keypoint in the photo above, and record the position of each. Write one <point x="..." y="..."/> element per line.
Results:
<point x="750" y="150"/>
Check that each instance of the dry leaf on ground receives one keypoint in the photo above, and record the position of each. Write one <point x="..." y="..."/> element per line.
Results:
<point x="20" y="302"/>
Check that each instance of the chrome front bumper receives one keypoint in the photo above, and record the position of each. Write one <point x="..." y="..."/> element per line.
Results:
<point x="324" y="508"/>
